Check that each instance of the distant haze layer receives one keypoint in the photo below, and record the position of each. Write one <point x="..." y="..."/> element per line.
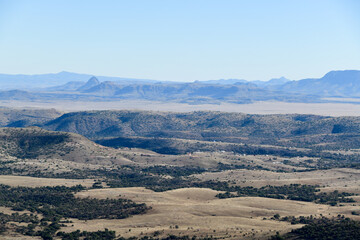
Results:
<point x="325" y="109"/>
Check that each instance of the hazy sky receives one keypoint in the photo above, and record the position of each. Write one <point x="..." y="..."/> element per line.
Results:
<point x="181" y="40"/>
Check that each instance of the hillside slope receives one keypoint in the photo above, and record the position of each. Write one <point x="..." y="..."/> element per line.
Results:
<point x="26" y="117"/>
<point x="37" y="143"/>
<point x="286" y="130"/>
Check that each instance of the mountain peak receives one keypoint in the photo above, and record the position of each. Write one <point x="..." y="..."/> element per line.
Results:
<point x="272" y="82"/>
<point x="92" y="82"/>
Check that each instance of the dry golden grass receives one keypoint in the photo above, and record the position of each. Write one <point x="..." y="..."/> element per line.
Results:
<point x="7" y="210"/>
<point x="198" y="212"/>
<point x="41" y="182"/>
<point x="16" y="236"/>
<point x="209" y="159"/>
<point x="342" y="179"/>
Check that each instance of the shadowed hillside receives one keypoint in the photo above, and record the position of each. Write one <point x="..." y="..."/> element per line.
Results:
<point x="26" y="117"/>
<point x="36" y="143"/>
<point x="284" y="130"/>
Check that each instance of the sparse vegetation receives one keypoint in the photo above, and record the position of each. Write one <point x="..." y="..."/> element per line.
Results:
<point x="60" y="202"/>
<point x="226" y="152"/>
<point x="296" y="192"/>
<point x="323" y="229"/>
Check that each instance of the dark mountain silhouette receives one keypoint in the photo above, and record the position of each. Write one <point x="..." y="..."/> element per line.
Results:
<point x="92" y="82"/>
<point x="335" y="83"/>
<point x="37" y="81"/>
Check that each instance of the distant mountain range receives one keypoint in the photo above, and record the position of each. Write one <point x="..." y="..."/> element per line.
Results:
<point x="334" y="83"/>
<point x="65" y="85"/>
<point x="21" y="81"/>
<point x="196" y="92"/>
<point x="272" y="82"/>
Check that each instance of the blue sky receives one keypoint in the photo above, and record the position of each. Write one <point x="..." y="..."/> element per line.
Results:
<point x="183" y="40"/>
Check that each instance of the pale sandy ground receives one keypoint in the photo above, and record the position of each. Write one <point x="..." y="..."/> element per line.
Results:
<point x="342" y="179"/>
<point x="15" y="236"/>
<point x="9" y="211"/>
<point x="198" y="212"/>
<point x="269" y="107"/>
<point x="41" y="182"/>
